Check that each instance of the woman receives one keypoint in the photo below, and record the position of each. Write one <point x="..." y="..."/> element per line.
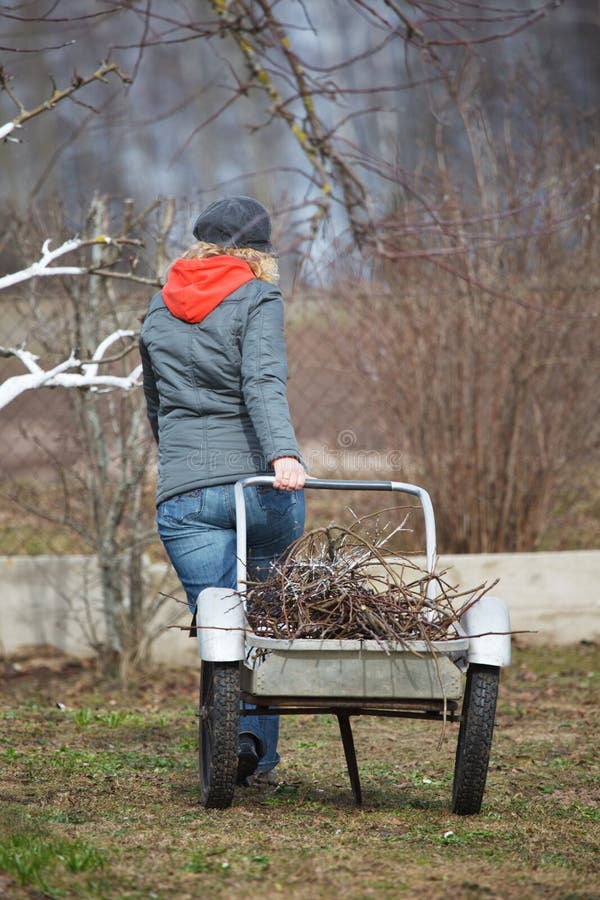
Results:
<point x="214" y="360"/>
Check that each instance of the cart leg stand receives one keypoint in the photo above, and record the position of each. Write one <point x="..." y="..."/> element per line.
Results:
<point x="348" y="742"/>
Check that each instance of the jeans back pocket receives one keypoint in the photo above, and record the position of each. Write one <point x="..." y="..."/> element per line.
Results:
<point x="275" y="502"/>
<point x="183" y="508"/>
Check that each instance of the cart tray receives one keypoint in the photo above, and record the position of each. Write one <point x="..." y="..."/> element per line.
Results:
<point x="358" y="669"/>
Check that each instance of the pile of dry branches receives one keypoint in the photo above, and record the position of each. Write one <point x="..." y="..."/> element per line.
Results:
<point x="336" y="583"/>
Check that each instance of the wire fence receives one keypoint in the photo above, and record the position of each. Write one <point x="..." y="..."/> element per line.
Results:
<point x="421" y="384"/>
<point x="331" y="405"/>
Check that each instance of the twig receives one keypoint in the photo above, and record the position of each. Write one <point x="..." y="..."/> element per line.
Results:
<point x="325" y="588"/>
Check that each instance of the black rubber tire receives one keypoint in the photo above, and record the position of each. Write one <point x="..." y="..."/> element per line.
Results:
<point x="219" y="727"/>
<point x="475" y="739"/>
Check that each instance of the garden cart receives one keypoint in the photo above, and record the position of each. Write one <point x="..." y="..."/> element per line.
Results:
<point x="245" y="673"/>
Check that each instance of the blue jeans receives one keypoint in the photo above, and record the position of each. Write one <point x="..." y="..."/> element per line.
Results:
<point x="198" y="531"/>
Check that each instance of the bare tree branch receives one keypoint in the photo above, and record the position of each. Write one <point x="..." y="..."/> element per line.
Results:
<point x="58" y="375"/>
<point x="77" y="84"/>
<point x="42" y="267"/>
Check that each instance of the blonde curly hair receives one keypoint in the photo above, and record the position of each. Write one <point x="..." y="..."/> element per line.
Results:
<point x="264" y="265"/>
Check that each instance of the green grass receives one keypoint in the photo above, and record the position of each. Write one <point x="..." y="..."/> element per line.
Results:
<point x="101" y="800"/>
<point x="38" y="859"/>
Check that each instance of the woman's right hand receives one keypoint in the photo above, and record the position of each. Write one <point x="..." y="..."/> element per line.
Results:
<point x="289" y="474"/>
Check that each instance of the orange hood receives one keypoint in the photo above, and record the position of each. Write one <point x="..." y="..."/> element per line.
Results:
<point x="196" y="286"/>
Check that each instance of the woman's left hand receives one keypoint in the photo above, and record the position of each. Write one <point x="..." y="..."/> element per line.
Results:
<point x="289" y="474"/>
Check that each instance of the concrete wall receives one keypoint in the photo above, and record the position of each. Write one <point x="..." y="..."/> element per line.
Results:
<point x="56" y="600"/>
<point x="556" y="595"/>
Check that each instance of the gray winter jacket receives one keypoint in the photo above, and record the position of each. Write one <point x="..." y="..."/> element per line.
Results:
<point x="215" y="387"/>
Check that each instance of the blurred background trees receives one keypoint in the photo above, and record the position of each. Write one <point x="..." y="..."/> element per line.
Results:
<point x="433" y="171"/>
<point x="321" y="108"/>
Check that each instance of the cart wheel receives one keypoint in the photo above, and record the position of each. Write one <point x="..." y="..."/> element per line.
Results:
<point x="219" y="725"/>
<point x="475" y="738"/>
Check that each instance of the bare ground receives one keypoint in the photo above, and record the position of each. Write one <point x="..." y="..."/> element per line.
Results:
<point x="100" y="798"/>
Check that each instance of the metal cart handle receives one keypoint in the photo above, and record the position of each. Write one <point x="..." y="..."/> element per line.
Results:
<point x="337" y="485"/>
